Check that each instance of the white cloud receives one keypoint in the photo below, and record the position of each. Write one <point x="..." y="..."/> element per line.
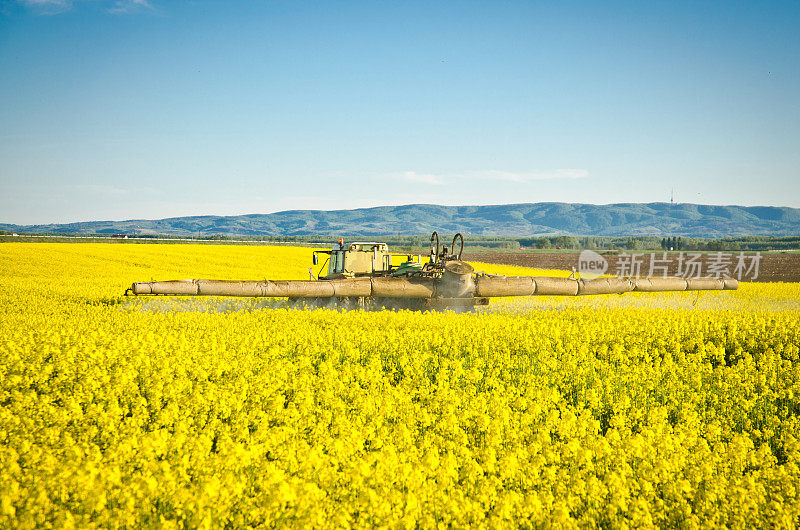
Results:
<point x="47" y="7"/>
<point x="43" y="2"/>
<point x="423" y="178"/>
<point x="119" y="7"/>
<point x="122" y="7"/>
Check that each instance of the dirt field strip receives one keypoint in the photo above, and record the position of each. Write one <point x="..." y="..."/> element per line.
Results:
<point x="771" y="267"/>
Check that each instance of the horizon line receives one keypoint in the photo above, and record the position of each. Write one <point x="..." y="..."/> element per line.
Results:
<point x="3" y="223"/>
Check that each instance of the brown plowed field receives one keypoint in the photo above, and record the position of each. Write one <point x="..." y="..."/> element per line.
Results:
<point x="771" y="267"/>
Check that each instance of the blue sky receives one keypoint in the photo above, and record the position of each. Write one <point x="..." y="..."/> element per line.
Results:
<point x="150" y="109"/>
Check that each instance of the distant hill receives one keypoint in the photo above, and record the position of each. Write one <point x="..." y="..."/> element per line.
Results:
<point x="652" y="219"/>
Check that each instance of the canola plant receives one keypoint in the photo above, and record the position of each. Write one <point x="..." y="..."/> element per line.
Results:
<point x="651" y="410"/>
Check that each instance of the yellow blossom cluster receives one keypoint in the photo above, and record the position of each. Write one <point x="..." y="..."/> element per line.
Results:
<point x="668" y="410"/>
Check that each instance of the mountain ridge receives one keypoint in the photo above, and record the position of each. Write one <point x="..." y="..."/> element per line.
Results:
<point x="521" y="219"/>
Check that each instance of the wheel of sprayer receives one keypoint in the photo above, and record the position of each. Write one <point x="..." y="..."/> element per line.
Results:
<point x="435" y="249"/>
<point x="411" y="304"/>
<point x="457" y="237"/>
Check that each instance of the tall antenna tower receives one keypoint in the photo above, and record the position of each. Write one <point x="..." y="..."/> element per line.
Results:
<point x="669" y="217"/>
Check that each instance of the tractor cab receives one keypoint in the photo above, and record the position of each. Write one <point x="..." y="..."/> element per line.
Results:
<point x="354" y="259"/>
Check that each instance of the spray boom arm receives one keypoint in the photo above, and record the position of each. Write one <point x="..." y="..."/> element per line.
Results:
<point x="457" y="280"/>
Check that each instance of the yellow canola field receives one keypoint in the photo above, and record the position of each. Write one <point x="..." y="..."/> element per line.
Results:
<point x="669" y="410"/>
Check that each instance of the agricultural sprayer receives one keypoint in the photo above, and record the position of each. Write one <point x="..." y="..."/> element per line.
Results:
<point x="361" y="274"/>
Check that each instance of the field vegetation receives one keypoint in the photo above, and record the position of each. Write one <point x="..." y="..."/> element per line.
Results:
<point x="652" y="410"/>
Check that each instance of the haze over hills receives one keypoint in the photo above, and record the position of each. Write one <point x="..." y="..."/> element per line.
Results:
<point x="655" y="219"/>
